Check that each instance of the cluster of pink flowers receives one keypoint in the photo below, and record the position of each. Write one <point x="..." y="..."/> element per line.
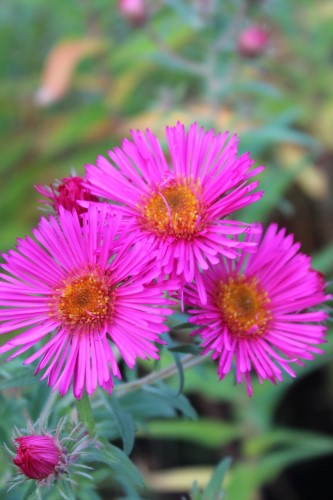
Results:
<point x="141" y="231"/>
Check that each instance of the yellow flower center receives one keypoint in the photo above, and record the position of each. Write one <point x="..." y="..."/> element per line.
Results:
<point x="243" y="305"/>
<point x="174" y="210"/>
<point x="86" y="301"/>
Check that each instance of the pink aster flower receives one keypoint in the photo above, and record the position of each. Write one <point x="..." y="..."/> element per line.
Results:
<point x="259" y="310"/>
<point x="64" y="288"/>
<point x="47" y="456"/>
<point x="66" y="193"/>
<point x="180" y="205"/>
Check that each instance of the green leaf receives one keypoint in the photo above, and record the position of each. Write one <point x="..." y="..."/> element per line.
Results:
<point x="124" y="471"/>
<point x="203" y="379"/>
<point x="19" y="380"/>
<point x="245" y="478"/>
<point x="213" y="490"/>
<point x="151" y="402"/>
<point x="185" y="12"/>
<point x="195" y="492"/>
<point x="65" y="490"/>
<point x="185" y="349"/>
<point x="256" y="87"/>
<point x="277" y="437"/>
<point x="206" y="432"/>
<point x="258" y="139"/>
<point x="183" y="326"/>
<point x="74" y="127"/>
<point x="274" y="181"/>
<point x="124" y="422"/>
<point x="15" y="149"/>
<point x="323" y="260"/>
<point x="88" y="494"/>
<point x="180" y="402"/>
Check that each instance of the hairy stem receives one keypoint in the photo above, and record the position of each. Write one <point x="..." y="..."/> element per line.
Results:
<point x="187" y="361"/>
<point x="85" y="413"/>
<point x="49" y="404"/>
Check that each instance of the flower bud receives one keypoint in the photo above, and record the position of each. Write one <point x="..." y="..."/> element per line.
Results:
<point x="66" y="193"/>
<point x="38" y="457"/>
<point x="253" y="41"/>
<point x="47" y="457"/>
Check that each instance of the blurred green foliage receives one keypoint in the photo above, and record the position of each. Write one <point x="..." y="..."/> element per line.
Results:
<point x="182" y="64"/>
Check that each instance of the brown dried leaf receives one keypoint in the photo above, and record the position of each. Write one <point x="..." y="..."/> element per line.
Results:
<point x="59" y="67"/>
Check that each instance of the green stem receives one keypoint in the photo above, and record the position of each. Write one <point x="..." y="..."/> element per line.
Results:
<point x="187" y="361"/>
<point x="44" y="416"/>
<point x="85" y="413"/>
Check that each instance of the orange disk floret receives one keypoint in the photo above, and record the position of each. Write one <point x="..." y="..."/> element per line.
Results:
<point x="174" y="210"/>
<point x="243" y="305"/>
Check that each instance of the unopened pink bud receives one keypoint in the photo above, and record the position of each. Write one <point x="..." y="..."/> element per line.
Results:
<point x="253" y="41"/>
<point x="66" y="194"/>
<point x="37" y="456"/>
<point x="46" y="457"/>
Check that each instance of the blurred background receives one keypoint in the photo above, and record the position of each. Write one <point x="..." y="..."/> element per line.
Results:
<point x="77" y="75"/>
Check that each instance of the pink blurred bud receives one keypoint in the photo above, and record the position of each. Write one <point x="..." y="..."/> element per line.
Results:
<point x="253" y="41"/>
<point x="135" y="11"/>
